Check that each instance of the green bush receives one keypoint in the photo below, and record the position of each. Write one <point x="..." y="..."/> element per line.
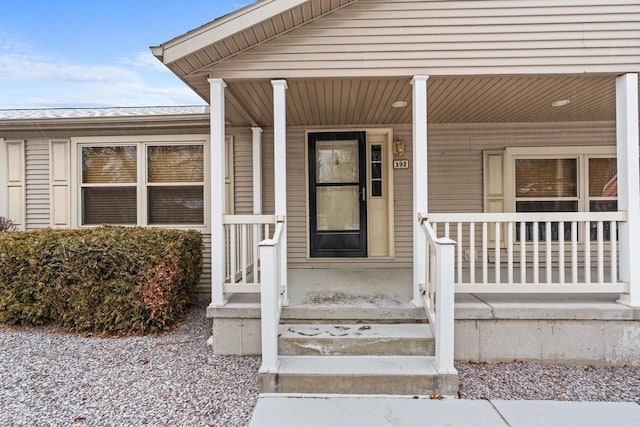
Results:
<point x="110" y="280"/>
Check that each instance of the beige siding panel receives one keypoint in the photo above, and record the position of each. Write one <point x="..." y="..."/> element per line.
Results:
<point x="455" y="169"/>
<point x="268" y="195"/>
<point x="204" y="285"/>
<point x="243" y="167"/>
<point x="403" y="38"/>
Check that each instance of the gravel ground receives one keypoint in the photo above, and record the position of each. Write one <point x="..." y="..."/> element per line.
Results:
<point x="58" y="379"/>
<point x="537" y="381"/>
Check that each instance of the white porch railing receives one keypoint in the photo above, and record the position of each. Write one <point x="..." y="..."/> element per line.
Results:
<point x="271" y="297"/>
<point x="534" y="252"/>
<point x="243" y="234"/>
<point x="438" y="295"/>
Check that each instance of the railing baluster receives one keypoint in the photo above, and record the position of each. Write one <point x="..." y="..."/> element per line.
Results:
<point x="510" y="252"/>
<point x="234" y="252"/>
<point x="574" y="251"/>
<point x="485" y="259"/>
<point x="600" y="237"/>
<point x="227" y="258"/>
<point x="561" y="252"/>
<point x="243" y="252"/>
<point x="498" y="225"/>
<point x="613" y="234"/>
<point x="472" y="252"/>
<point x="523" y="252"/>
<point x="587" y="252"/>
<point x="254" y="246"/>
<point x="536" y="261"/>
<point x="446" y="229"/>
<point x="427" y="269"/>
<point x="547" y="230"/>
<point x="459" y="249"/>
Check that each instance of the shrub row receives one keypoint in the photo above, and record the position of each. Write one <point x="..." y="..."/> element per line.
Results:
<point x="108" y="280"/>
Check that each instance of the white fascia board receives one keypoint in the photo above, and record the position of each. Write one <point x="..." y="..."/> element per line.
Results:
<point x="222" y="28"/>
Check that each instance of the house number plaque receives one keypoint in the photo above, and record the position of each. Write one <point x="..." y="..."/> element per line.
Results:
<point x="401" y="164"/>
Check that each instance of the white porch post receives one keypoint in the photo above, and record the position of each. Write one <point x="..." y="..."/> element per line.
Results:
<point x="420" y="196"/>
<point x="280" y="167"/>
<point x="628" y="184"/>
<point x="217" y="145"/>
<point x="257" y="176"/>
<point x="257" y="170"/>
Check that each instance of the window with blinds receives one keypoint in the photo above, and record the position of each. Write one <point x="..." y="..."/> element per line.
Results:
<point x="173" y="185"/>
<point x="109" y="185"/>
<point x="580" y="183"/>
<point x="546" y="185"/>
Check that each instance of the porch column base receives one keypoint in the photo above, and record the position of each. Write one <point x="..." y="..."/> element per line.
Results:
<point x="629" y="301"/>
<point x="219" y="304"/>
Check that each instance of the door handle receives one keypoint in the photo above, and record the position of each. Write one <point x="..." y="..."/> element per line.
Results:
<point x="363" y="192"/>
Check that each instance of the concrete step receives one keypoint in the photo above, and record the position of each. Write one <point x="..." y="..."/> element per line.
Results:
<point x="331" y="339"/>
<point x="352" y="313"/>
<point x="400" y="375"/>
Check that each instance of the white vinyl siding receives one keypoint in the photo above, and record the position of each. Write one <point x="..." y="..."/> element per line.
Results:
<point x="204" y="285"/>
<point x="404" y="38"/>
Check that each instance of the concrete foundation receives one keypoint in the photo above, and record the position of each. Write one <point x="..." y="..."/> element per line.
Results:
<point x="583" y="342"/>
<point x="558" y="328"/>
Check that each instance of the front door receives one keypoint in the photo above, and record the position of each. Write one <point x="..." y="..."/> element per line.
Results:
<point x="337" y="194"/>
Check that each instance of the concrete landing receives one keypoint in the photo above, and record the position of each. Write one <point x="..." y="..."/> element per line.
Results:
<point x="374" y="411"/>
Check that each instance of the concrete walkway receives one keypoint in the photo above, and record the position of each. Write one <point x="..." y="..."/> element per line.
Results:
<point x="374" y="411"/>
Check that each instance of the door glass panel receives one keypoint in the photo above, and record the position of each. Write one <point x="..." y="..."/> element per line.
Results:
<point x="338" y="208"/>
<point x="376" y="153"/>
<point x="337" y="161"/>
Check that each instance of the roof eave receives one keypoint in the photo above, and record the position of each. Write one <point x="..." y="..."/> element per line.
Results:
<point x="75" y="123"/>
<point x="221" y="28"/>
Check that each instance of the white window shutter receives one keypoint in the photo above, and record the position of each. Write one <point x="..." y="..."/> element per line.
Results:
<point x="12" y="191"/>
<point x="494" y="186"/>
<point x="59" y="176"/>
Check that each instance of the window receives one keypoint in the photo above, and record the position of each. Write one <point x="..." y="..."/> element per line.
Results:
<point x="156" y="182"/>
<point x="571" y="179"/>
<point x="376" y="170"/>
<point x="109" y="185"/>
<point x="175" y="184"/>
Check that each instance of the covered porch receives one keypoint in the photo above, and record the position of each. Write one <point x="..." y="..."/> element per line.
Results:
<point x="572" y="255"/>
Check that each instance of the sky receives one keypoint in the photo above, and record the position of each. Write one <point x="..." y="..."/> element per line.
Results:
<point x="95" y="53"/>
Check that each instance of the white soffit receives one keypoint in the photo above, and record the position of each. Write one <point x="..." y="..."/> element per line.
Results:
<point x="222" y="28"/>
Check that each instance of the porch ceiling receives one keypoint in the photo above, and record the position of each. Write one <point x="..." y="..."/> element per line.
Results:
<point x="464" y="99"/>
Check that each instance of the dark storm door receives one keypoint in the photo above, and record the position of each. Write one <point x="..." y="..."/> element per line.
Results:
<point x="337" y="194"/>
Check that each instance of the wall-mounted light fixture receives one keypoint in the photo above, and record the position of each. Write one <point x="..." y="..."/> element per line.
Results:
<point x="398" y="146"/>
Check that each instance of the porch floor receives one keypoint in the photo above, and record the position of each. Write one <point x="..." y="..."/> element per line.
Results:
<point x="390" y="289"/>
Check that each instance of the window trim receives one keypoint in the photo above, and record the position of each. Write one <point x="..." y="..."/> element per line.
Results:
<point x="141" y="142"/>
